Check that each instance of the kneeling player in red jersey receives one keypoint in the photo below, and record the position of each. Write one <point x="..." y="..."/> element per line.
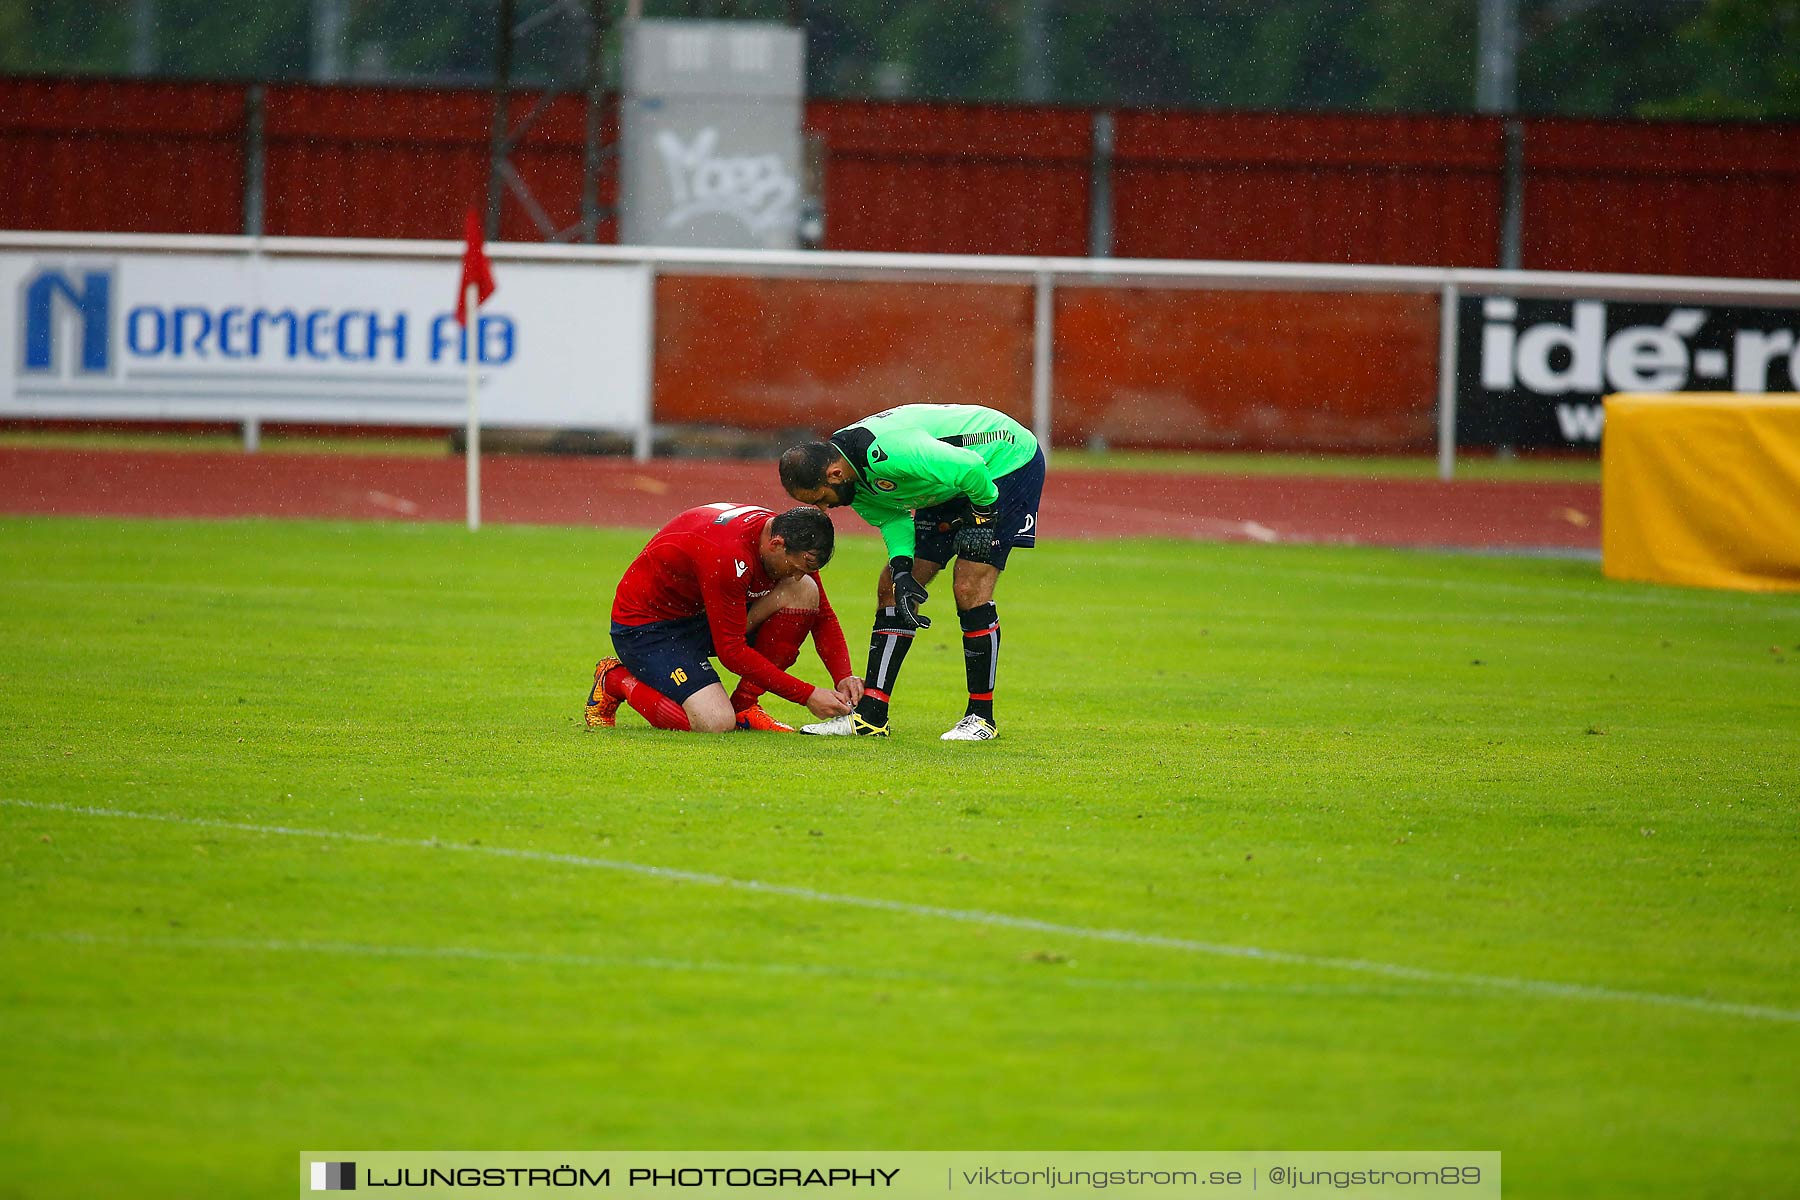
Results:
<point x="733" y="581"/>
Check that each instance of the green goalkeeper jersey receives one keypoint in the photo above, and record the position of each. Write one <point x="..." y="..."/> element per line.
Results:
<point x="919" y="455"/>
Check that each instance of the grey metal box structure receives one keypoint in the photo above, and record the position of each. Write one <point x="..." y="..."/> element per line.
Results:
<point x="711" y="134"/>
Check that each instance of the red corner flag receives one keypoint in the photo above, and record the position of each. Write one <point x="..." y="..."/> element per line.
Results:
<point x="475" y="269"/>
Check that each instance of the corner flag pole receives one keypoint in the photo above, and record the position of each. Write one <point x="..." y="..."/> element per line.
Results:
<point x="476" y="285"/>
<point x="472" y="449"/>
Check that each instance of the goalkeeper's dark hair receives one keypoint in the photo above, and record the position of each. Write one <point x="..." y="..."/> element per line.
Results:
<point x="806" y="530"/>
<point x="803" y="466"/>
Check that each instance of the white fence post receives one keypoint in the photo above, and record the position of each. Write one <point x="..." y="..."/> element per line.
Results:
<point x="643" y="440"/>
<point x="1043" y="352"/>
<point x="1446" y="448"/>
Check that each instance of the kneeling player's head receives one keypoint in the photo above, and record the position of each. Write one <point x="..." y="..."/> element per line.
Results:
<point x="815" y="473"/>
<point x="798" y="541"/>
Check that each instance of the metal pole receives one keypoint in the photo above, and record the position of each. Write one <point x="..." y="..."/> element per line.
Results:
<point x="255" y="155"/>
<point x="328" y="40"/>
<point x="1512" y="198"/>
<point x="1497" y="57"/>
<point x="1100" y="188"/>
<point x="503" y="40"/>
<point x="143" y="37"/>
<point x="1447" y="305"/>
<point x="1034" y="46"/>
<point x="591" y="156"/>
<point x="1042" y="350"/>
<point x="472" y="446"/>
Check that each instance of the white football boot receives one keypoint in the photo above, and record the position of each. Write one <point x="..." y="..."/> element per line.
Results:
<point x="849" y="725"/>
<point x="971" y="729"/>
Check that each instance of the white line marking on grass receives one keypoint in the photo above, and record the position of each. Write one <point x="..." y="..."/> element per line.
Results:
<point x="1126" y="937"/>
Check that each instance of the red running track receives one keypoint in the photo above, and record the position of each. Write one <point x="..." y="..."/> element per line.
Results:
<point x="554" y="490"/>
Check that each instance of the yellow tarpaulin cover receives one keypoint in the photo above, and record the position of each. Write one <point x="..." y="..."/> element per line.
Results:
<point x="1702" y="489"/>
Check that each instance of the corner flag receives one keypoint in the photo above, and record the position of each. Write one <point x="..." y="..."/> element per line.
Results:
<point x="477" y="285"/>
<point x="476" y="270"/>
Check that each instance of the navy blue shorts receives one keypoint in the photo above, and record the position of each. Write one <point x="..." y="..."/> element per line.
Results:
<point x="674" y="657"/>
<point x="934" y="528"/>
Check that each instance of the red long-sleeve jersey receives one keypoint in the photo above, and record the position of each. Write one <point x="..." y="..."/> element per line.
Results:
<point x="706" y="561"/>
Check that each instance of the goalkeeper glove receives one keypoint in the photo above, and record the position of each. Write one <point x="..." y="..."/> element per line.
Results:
<point x="909" y="593"/>
<point x="975" y="543"/>
<point x="975" y="539"/>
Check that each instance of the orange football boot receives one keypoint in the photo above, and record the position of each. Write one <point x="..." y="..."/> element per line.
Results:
<point x="755" y="718"/>
<point x="600" y="706"/>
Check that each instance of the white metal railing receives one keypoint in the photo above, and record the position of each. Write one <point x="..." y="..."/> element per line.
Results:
<point x="1043" y="274"/>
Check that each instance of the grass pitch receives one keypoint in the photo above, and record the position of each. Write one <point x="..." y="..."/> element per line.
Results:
<point x="304" y="844"/>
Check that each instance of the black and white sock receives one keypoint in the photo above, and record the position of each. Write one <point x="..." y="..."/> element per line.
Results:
<point x="888" y="645"/>
<point x="981" y="657"/>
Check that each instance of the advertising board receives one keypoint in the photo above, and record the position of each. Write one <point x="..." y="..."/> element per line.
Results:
<point x="1532" y="373"/>
<point x="192" y="336"/>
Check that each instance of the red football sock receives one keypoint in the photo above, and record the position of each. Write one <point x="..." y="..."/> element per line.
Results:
<point x="777" y="639"/>
<point x="656" y="708"/>
<point x="619" y="683"/>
